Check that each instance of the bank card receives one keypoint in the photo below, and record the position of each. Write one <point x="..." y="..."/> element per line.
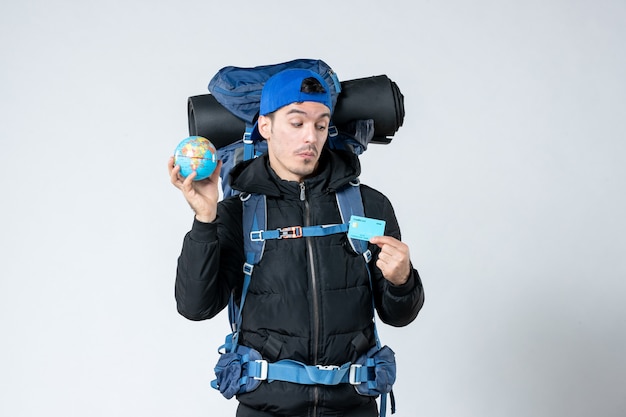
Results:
<point x="364" y="228"/>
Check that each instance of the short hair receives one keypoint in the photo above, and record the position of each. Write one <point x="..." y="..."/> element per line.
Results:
<point x="312" y="85"/>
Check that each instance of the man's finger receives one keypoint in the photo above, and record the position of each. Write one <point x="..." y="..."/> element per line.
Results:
<point x="386" y="240"/>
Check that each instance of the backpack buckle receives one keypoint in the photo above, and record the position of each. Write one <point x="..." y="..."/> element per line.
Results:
<point x="292" y="232"/>
<point x="256" y="236"/>
<point x="247" y="268"/>
<point x="263" y="365"/>
<point x="353" y="379"/>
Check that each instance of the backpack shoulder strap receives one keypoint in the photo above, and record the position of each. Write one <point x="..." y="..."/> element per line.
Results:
<point x="351" y="204"/>
<point x="254" y="218"/>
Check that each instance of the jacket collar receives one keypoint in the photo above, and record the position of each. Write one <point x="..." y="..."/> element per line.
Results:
<point x="336" y="169"/>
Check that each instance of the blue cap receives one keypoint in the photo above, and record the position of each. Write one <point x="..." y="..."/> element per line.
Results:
<point x="283" y="89"/>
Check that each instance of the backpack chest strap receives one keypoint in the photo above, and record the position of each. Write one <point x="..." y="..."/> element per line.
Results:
<point x="294" y="232"/>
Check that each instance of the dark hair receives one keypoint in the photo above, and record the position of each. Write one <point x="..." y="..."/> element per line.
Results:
<point x="312" y="85"/>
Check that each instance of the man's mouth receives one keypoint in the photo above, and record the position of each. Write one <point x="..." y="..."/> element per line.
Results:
<point x="306" y="153"/>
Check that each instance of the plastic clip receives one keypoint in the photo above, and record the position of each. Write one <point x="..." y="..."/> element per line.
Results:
<point x="353" y="371"/>
<point x="264" y="366"/>
<point x="292" y="232"/>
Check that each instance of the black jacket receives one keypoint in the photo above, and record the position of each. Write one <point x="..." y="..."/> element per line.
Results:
<point x="309" y="299"/>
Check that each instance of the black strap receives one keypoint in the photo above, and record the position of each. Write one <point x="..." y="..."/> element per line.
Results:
<point x="271" y="348"/>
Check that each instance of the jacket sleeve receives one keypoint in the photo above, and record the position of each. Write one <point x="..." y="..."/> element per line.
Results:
<point x="209" y="265"/>
<point x="396" y="305"/>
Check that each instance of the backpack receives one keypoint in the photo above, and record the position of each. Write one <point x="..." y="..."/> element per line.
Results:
<point x="241" y="369"/>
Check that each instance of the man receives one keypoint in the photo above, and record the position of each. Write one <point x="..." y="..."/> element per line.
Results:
<point x="309" y="299"/>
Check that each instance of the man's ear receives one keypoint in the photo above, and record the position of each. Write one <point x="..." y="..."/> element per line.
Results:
<point x="264" y="126"/>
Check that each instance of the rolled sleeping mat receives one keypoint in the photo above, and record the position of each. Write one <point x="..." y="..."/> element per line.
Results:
<point x="208" y="118"/>
<point x="377" y="98"/>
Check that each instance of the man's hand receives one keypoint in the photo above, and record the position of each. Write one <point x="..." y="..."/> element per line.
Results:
<point x="202" y="195"/>
<point x="394" y="259"/>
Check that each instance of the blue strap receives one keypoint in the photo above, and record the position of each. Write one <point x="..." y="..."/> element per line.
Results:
<point x="254" y="218"/>
<point x="299" y="373"/>
<point x="298" y="231"/>
<point x="254" y="215"/>
<point x="248" y="143"/>
<point x="383" y="406"/>
<point x="336" y="82"/>
<point x="350" y="203"/>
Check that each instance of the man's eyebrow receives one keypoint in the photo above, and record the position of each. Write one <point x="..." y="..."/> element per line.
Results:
<point x="298" y="111"/>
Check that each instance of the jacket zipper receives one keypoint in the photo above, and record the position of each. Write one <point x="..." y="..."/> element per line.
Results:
<point x="316" y="323"/>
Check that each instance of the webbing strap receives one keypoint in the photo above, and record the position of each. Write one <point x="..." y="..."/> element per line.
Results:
<point x="297" y="232"/>
<point x="254" y="216"/>
<point x="296" y="372"/>
<point x="248" y="143"/>
<point x="299" y="373"/>
<point x="236" y="325"/>
<point x="350" y="203"/>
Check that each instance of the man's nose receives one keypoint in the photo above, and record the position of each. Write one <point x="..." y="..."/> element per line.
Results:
<point x="311" y="133"/>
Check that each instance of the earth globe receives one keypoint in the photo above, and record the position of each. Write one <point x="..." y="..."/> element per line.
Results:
<point x="196" y="153"/>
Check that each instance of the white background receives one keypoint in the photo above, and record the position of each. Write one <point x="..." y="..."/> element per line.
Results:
<point x="508" y="179"/>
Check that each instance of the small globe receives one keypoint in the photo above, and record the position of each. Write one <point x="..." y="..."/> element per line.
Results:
<point x="196" y="153"/>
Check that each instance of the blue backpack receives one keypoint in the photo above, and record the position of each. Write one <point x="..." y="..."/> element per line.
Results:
<point x="241" y="369"/>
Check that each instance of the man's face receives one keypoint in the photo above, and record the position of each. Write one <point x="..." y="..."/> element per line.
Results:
<point x="295" y="137"/>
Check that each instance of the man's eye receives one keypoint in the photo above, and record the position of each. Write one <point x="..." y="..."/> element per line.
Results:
<point x="321" y="127"/>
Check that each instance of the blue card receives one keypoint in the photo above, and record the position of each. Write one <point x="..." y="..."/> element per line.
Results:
<point x="364" y="228"/>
